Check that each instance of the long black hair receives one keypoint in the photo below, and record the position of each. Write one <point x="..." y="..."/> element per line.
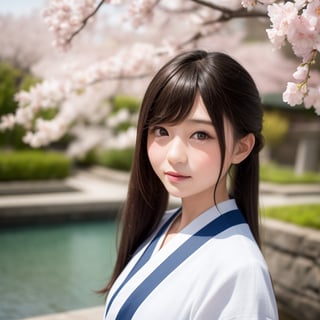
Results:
<point x="228" y="91"/>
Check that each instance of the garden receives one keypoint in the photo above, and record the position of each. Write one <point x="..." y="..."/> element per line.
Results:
<point x="20" y="162"/>
<point x="65" y="112"/>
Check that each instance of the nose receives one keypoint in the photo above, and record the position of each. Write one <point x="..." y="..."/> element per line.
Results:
<point x="177" y="151"/>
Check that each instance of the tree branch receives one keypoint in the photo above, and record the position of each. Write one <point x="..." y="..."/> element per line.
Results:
<point x="85" y="21"/>
<point x="228" y="14"/>
<point x="198" y="35"/>
<point x="212" y="6"/>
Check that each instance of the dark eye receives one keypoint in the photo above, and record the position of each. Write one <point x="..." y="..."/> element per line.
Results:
<point x="201" y="135"/>
<point x="159" y="131"/>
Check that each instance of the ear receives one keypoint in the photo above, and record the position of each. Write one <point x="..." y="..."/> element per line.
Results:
<point x="243" y="148"/>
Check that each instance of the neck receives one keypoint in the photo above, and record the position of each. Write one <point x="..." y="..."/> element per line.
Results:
<point x="194" y="206"/>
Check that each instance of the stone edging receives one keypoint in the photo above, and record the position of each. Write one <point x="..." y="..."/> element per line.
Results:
<point x="290" y="189"/>
<point x="293" y="256"/>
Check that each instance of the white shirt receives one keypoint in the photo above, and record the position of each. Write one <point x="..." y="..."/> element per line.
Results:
<point x="226" y="278"/>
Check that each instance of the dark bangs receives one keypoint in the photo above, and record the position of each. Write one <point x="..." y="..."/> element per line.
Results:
<point x="175" y="97"/>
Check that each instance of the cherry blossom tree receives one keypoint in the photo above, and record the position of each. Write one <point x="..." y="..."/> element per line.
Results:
<point x="22" y="40"/>
<point x="168" y="28"/>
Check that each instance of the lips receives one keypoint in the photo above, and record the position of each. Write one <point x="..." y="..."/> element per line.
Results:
<point x="175" y="176"/>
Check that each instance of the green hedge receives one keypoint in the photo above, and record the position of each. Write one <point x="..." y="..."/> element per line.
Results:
<point x="13" y="80"/>
<point x="33" y="165"/>
<point x="272" y="172"/>
<point x="306" y="215"/>
<point x="129" y="103"/>
<point x="116" y="159"/>
<point x="120" y="102"/>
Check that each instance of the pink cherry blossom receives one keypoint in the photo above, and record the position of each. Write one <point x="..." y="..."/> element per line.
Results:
<point x="301" y="36"/>
<point x="140" y="11"/>
<point x="312" y="13"/>
<point x="65" y="17"/>
<point x="252" y="3"/>
<point x="299" y="23"/>
<point x="294" y="94"/>
<point x="302" y="72"/>
<point x="281" y="16"/>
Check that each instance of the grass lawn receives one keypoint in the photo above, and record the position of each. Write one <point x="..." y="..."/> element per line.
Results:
<point x="285" y="175"/>
<point x="306" y="215"/>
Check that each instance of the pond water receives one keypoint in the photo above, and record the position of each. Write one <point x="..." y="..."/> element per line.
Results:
<point x="53" y="268"/>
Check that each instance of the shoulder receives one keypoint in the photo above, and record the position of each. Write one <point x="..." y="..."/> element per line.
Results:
<point x="231" y="255"/>
<point x="238" y="248"/>
<point x="236" y="279"/>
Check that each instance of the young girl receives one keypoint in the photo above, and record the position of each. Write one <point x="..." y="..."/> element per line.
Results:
<point x="198" y="138"/>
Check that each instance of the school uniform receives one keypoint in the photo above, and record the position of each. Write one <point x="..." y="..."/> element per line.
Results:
<point x="212" y="269"/>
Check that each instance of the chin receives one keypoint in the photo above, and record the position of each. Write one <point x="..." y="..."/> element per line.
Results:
<point x="178" y="194"/>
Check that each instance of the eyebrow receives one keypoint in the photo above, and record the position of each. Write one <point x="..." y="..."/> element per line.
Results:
<point x="202" y="121"/>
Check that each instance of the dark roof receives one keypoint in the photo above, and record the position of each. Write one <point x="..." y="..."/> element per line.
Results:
<point x="275" y="101"/>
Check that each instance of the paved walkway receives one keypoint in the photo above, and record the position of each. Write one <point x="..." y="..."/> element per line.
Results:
<point x="101" y="190"/>
<point x="95" y="313"/>
<point x="98" y="191"/>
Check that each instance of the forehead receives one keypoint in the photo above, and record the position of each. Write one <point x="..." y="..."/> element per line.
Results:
<point x="199" y="110"/>
<point x="199" y="114"/>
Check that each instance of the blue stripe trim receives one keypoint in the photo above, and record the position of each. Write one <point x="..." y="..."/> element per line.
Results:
<point x="215" y="227"/>
<point x="144" y="258"/>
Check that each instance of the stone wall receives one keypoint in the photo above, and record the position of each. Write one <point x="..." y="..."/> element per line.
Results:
<point x="293" y="256"/>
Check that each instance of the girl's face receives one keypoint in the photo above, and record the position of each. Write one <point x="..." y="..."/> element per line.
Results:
<point x="186" y="156"/>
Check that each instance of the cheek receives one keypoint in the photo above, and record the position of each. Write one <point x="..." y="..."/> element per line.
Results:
<point x="207" y="159"/>
<point x="204" y="161"/>
<point x="154" y="153"/>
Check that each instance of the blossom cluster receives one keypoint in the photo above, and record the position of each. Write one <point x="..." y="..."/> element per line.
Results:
<point x="141" y="11"/>
<point x="66" y="17"/>
<point x="252" y="3"/>
<point x="72" y="107"/>
<point x="295" y="21"/>
<point x="298" y="23"/>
